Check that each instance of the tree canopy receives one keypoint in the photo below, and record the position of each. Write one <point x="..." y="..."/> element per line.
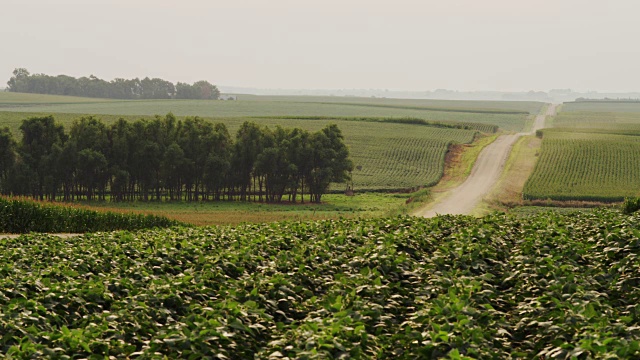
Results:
<point x="170" y="159"/>
<point x="25" y="82"/>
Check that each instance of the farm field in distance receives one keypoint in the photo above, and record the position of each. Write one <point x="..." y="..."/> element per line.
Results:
<point x="387" y="156"/>
<point x="510" y="116"/>
<point x="590" y="154"/>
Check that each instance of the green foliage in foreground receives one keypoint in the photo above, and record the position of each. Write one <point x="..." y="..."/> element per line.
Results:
<point x="631" y="205"/>
<point x="18" y="217"/>
<point x="547" y="286"/>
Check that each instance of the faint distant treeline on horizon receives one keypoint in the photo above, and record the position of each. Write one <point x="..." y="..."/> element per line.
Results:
<point x="24" y="82"/>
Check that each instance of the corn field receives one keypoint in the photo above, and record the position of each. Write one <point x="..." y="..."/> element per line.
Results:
<point x="23" y="216"/>
<point x="585" y="167"/>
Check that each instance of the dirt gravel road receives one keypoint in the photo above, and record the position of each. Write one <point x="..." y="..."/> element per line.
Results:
<point x="484" y="175"/>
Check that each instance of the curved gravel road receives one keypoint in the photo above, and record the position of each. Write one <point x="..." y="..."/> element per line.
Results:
<point x="484" y="175"/>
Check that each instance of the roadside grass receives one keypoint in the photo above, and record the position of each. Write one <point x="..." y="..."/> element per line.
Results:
<point x="508" y="191"/>
<point x="334" y="206"/>
<point x="460" y="165"/>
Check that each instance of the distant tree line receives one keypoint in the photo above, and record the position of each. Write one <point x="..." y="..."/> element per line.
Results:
<point x="169" y="159"/>
<point x="605" y="100"/>
<point x="24" y="82"/>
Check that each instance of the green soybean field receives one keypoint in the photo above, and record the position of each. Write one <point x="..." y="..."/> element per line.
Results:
<point x="545" y="286"/>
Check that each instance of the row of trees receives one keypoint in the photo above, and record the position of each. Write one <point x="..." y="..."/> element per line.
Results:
<point x="169" y="159"/>
<point x="24" y="82"/>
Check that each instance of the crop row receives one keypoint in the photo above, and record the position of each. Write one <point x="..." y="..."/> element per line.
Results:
<point x="399" y="163"/>
<point x="24" y="216"/>
<point x="272" y="106"/>
<point x="602" y="107"/>
<point x="482" y="127"/>
<point x="397" y="156"/>
<point x="548" y="286"/>
<point x="585" y="166"/>
<point x="586" y="120"/>
<point x="438" y="109"/>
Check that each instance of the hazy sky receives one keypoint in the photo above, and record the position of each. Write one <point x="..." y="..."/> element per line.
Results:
<point x="331" y="44"/>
